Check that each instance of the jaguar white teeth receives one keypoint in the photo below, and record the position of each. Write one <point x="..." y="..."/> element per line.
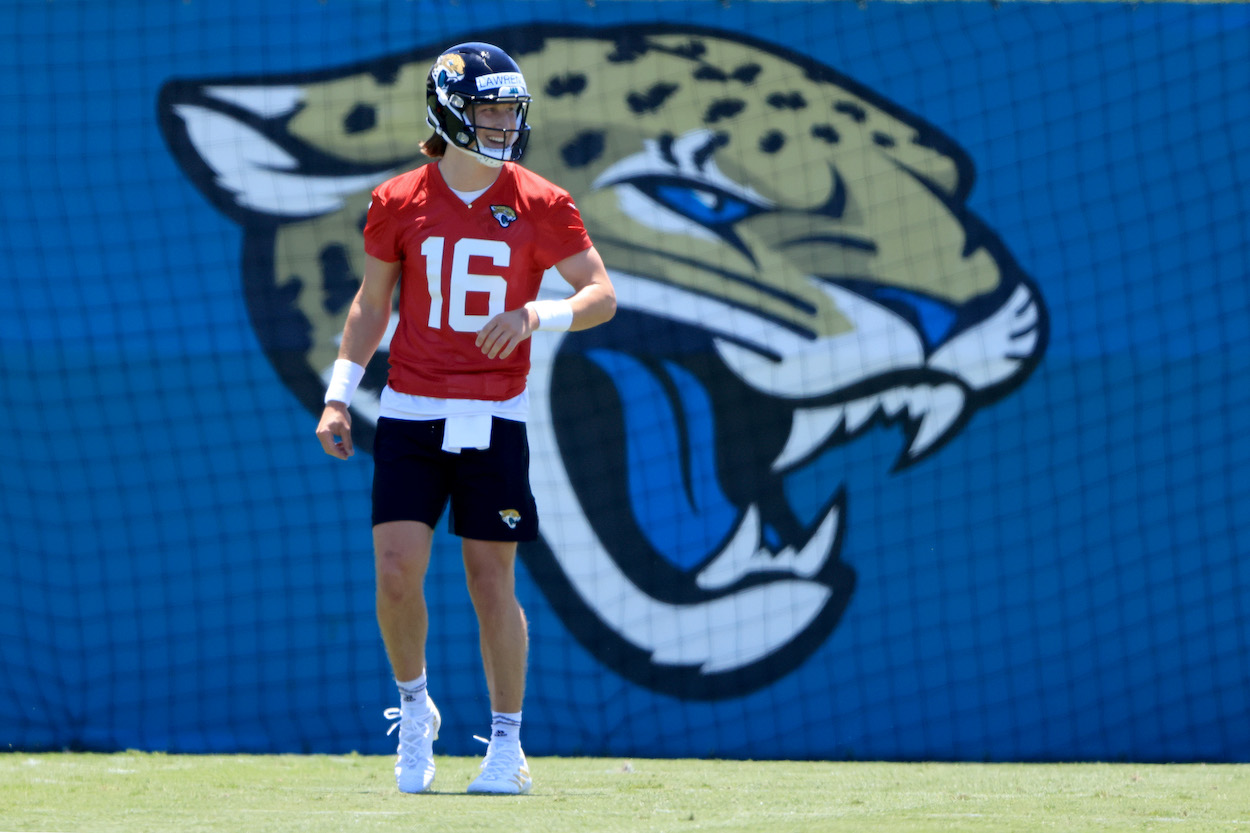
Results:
<point x="941" y="408"/>
<point x="746" y="554"/>
<point x="933" y="410"/>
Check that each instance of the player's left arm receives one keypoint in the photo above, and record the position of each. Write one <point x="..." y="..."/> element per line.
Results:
<point x="592" y="303"/>
<point x="593" y="299"/>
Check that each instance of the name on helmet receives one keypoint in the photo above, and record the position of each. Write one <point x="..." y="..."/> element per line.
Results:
<point x="513" y="81"/>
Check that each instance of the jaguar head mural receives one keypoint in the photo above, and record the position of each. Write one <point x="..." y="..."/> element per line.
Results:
<point x="795" y="266"/>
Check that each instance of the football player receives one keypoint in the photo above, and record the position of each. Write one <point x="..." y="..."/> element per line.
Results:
<point x="467" y="238"/>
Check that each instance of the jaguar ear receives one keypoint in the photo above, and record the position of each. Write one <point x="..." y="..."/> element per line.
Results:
<point x="214" y="130"/>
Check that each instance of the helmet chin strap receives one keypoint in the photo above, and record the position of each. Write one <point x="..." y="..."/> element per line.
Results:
<point x="482" y="157"/>
<point x="487" y="157"/>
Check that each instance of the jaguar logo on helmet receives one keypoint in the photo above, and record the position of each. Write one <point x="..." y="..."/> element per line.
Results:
<point x="448" y="69"/>
<point x="798" y="271"/>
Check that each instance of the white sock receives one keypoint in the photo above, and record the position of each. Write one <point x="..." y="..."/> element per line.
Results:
<point x="505" y="727"/>
<point x="413" y="701"/>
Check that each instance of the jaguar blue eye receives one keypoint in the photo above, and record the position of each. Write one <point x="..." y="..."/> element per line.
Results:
<point x="709" y="207"/>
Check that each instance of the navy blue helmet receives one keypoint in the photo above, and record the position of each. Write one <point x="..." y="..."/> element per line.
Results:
<point x="476" y="73"/>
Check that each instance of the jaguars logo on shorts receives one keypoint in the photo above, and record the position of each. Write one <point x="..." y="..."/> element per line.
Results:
<point x="796" y="266"/>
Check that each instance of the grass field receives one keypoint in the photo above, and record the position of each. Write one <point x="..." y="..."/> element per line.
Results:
<point x="311" y="793"/>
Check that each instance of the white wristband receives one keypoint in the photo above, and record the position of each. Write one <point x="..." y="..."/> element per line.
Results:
<point x="553" y="315"/>
<point x="343" y="382"/>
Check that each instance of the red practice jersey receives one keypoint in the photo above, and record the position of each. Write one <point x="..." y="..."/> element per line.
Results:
<point x="461" y="265"/>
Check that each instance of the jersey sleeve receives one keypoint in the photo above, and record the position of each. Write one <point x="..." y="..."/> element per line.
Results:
<point x="565" y="236"/>
<point x="381" y="240"/>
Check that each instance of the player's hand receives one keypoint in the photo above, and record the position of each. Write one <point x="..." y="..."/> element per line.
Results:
<point x="335" y="431"/>
<point x="505" y="331"/>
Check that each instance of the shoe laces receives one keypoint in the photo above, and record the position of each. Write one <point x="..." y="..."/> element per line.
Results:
<point x="410" y="735"/>
<point x="502" y="760"/>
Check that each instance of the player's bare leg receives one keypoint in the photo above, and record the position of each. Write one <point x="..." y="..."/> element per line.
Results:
<point x="490" y="572"/>
<point x="401" y="558"/>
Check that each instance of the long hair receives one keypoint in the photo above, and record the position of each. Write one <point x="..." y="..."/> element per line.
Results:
<point x="434" y="147"/>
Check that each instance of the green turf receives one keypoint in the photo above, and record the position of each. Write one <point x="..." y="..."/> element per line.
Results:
<point x="151" y="792"/>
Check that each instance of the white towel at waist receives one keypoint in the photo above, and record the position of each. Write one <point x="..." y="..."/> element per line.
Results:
<point x="466" y="431"/>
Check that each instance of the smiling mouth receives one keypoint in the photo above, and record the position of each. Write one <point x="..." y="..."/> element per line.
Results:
<point x="495" y="144"/>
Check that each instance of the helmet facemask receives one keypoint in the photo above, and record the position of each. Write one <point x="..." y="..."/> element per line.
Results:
<point x="460" y="129"/>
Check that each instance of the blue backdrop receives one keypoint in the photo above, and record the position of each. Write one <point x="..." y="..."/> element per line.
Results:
<point x="181" y="567"/>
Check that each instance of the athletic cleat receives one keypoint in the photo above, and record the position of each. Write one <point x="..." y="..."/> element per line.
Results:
<point x="414" y="769"/>
<point x="504" y="771"/>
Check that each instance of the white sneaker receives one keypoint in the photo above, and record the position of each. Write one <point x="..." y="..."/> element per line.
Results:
<point x="504" y="771"/>
<point x="414" y="769"/>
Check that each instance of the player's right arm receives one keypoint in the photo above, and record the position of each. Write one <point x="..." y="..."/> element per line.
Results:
<point x="367" y="320"/>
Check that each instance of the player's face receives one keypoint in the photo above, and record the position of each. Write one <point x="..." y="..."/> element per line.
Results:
<point x="491" y="120"/>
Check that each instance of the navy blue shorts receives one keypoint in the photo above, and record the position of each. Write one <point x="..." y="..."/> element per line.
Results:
<point x="489" y="490"/>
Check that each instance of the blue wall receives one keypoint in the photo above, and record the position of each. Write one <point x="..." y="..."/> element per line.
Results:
<point x="181" y="567"/>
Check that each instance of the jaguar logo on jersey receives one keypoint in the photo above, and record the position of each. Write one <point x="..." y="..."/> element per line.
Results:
<point x="796" y="269"/>
<point x="511" y="517"/>
<point x="505" y="215"/>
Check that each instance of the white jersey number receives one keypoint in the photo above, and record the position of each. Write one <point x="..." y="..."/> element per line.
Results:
<point x="495" y="287"/>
